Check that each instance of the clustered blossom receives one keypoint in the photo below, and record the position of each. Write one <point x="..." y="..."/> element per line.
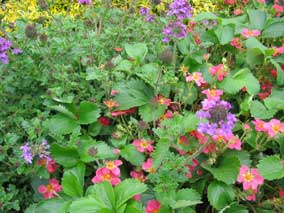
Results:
<point x="110" y="173"/>
<point x="196" y="77"/>
<point x="50" y="190"/>
<point x="215" y="113"/>
<point x="219" y="72"/>
<point x="27" y="153"/>
<point x="163" y="100"/>
<point x="247" y="33"/>
<point x="148" y="166"/>
<point x="251" y="179"/>
<point x="153" y="206"/>
<point x="87" y="2"/>
<point x="192" y="168"/>
<point x="138" y="175"/>
<point x="143" y="145"/>
<point x="181" y="9"/>
<point x="230" y="140"/>
<point x="50" y="164"/>
<point x="271" y="128"/>
<point x="236" y="42"/>
<point x="144" y="11"/>
<point x="4" y="47"/>
<point x="174" y="30"/>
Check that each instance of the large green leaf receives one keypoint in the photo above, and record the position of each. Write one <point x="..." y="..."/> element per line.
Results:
<point x="205" y="15"/>
<point x="258" y="110"/>
<point x="243" y="78"/>
<point x="136" y="51"/>
<point x="271" y="167"/>
<point x="257" y="18"/>
<point x="133" y="93"/>
<point x="161" y="152"/>
<point x="280" y="74"/>
<point x="86" y="205"/>
<point x="61" y="124"/>
<point x="149" y="73"/>
<point x="186" y="197"/>
<point x="88" y="113"/>
<point x="73" y="181"/>
<point x="253" y="43"/>
<point x="66" y="156"/>
<point x="151" y="112"/>
<point x="274" y="30"/>
<point x="220" y="194"/>
<point x="131" y="154"/>
<point x="275" y="100"/>
<point x="226" y="170"/>
<point x="224" y="34"/>
<point x="52" y="205"/>
<point x="127" y="189"/>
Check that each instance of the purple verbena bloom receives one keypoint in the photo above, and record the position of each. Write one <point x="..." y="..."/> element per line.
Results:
<point x="149" y="18"/>
<point x="43" y="151"/>
<point x="4" y="58"/>
<point x="84" y="2"/>
<point x="180" y="8"/>
<point x="16" y="51"/>
<point x="27" y="154"/>
<point x="175" y="30"/>
<point x="144" y="11"/>
<point x="4" y="47"/>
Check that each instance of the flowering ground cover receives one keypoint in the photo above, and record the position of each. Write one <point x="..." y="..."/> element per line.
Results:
<point x="143" y="110"/>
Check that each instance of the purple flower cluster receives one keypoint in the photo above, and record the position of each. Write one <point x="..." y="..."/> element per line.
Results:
<point x="4" y="47"/>
<point x="144" y="11"/>
<point x="181" y="9"/>
<point x="215" y="117"/>
<point x="87" y="2"/>
<point x="175" y="29"/>
<point x="29" y="152"/>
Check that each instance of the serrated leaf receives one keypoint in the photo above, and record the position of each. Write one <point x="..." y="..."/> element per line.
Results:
<point x="131" y="154"/>
<point x="271" y="168"/>
<point x="151" y="112"/>
<point x="86" y="205"/>
<point x="257" y="18"/>
<point x="61" y="125"/>
<point x="224" y="34"/>
<point x="273" y="30"/>
<point x="220" y="194"/>
<point x="258" y="110"/>
<point x="127" y="189"/>
<point x="124" y="65"/>
<point x="136" y="51"/>
<point x="64" y="110"/>
<point x="65" y="156"/>
<point x="226" y="170"/>
<point x="280" y="74"/>
<point x="275" y="100"/>
<point x="186" y="197"/>
<point x="88" y="113"/>
<point x="52" y="205"/>
<point x="73" y="181"/>
<point x="161" y="152"/>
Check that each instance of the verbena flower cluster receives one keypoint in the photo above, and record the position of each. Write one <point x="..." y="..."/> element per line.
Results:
<point x="4" y="47"/>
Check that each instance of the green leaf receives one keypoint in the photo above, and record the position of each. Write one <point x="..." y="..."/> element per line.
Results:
<point x="86" y="205"/>
<point x="93" y="73"/>
<point x="243" y="156"/>
<point x="73" y="181"/>
<point x="226" y="170"/>
<point x="235" y="209"/>
<point x="103" y="193"/>
<point x="253" y="43"/>
<point x="66" y="156"/>
<point x="127" y="189"/>
<point x="124" y="65"/>
<point x="61" y="125"/>
<point x="136" y="51"/>
<point x="219" y="194"/>
<point x="189" y="122"/>
<point x="271" y="168"/>
<point x="280" y="74"/>
<point x="52" y="205"/>
<point x="205" y="15"/>
<point x="151" y="112"/>
<point x="149" y="73"/>
<point x="257" y="18"/>
<point x="131" y="154"/>
<point x="273" y="30"/>
<point x="224" y="34"/>
<point x="88" y="112"/>
<point x="258" y="110"/>
<point x="133" y="93"/>
<point x="62" y="109"/>
<point x="243" y="78"/>
<point x="160" y="152"/>
<point x="275" y="100"/>
<point x="186" y="197"/>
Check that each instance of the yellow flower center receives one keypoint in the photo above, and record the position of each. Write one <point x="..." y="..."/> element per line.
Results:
<point x="276" y="128"/>
<point x="110" y="165"/>
<point x="248" y="177"/>
<point x="144" y="144"/>
<point x="107" y="177"/>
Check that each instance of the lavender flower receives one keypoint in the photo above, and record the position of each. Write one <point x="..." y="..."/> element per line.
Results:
<point x="87" y="2"/>
<point x="27" y="154"/>
<point x="215" y="117"/>
<point x="143" y="11"/>
<point x="43" y="149"/>
<point x="181" y="9"/>
<point x="16" y="51"/>
<point x="4" y="47"/>
<point x="174" y="30"/>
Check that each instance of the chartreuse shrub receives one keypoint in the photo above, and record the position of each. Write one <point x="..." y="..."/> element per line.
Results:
<point x="112" y="112"/>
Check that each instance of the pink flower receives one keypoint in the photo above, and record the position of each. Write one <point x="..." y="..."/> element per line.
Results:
<point x="213" y="94"/>
<point x="246" y="127"/>
<point x="273" y="127"/>
<point x="113" y="92"/>
<point x="182" y="140"/>
<point x="111" y="104"/>
<point x="116" y="151"/>
<point x="250" y="178"/>
<point x="252" y="195"/>
<point x="153" y="206"/>
<point x="50" y="190"/>
<point x="143" y="145"/>
<point x="236" y="42"/>
<point x="238" y="12"/>
<point x="104" y="121"/>
<point x="278" y="9"/>
<point x="148" y="166"/>
<point x="233" y="142"/>
<point x="162" y="100"/>
<point x="137" y="197"/>
<point x="261" y="1"/>
<point x="196" y="77"/>
<point x="219" y="72"/>
<point x="113" y="166"/>
<point x="230" y="2"/>
<point x="281" y="193"/>
<point x="247" y="33"/>
<point x="259" y="125"/>
<point x="105" y="174"/>
<point x="49" y="164"/>
<point x="278" y="50"/>
<point x="123" y="112"/>
<point x="138" y="175"/>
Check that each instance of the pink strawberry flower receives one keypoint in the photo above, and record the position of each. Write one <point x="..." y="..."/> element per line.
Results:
<point x="233" y="142"/>
<point x="273" y="127"/>
<point x="163" y="101"/>
<point x="213" y="94"/>
<point x="105" y="174"/>
<point x="247" y="33"/>
<point x="281" y="193"/>
<point x="137" y="197"/>
<point x="278" y="51"/>
<point x="251" y="195"/>
<point x="219" y="72"/>
<point x="153" y="206"/>
<point x="148" y="166"/>
<point x="238" y="12"/>
<point x="229" y="2"/>
<point x="236" y="42"/>
<point x="49" y="164"/>
<point x="196" y="77"/>
<point x="113" y="92"/>
<point x="51" y="189"/>
<point x="111" y="104"/>
<point x="259" y="125"/>
<point x="113" y="166"/>
<point x="138" y="175"/>
<point x="143" y="145"/>
<point x="250" y="178"/>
